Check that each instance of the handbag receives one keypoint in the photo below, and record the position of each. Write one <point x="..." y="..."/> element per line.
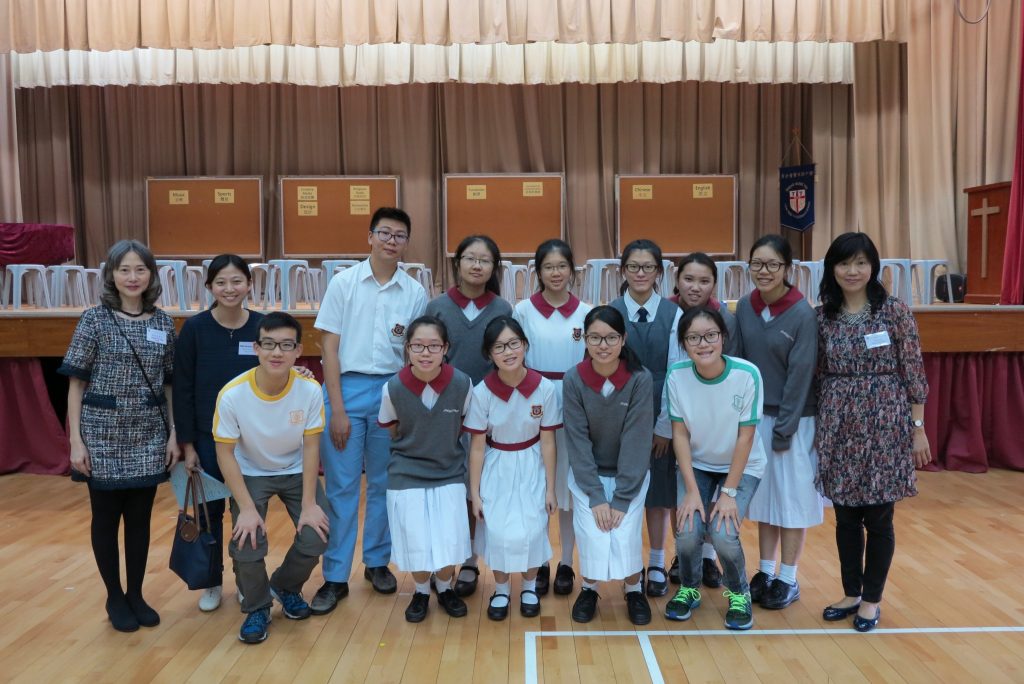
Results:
<point x="195" y="554"/>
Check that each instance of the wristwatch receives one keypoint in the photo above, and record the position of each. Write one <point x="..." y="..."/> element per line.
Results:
<point x="728" y="491"/>
<point x="917" y="423"/>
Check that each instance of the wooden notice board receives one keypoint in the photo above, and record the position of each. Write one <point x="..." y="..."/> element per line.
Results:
<point x="519" y="211"/>
<point x="682" y="213"/>
<point x="198" y="217"/>
<point x="324" y="217"/>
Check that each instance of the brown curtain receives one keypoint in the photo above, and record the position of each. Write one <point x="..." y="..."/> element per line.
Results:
<point x="10" y="181"/>
<point x="114" y="137"/>
<point x="30" y="25"/>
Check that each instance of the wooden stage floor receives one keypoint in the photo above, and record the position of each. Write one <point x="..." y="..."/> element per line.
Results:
<point x="960" y="546"/>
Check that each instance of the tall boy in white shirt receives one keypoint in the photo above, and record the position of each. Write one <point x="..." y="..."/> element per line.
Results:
<point x="267" y="427"/>
<point x="362" y="320"/>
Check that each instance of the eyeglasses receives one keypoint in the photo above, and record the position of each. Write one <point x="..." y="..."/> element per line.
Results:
<point x="473" y="261"/>
<point x="511" y="345"/>
<point x="268" y="344"/>
<point x="555" y="268"/>
<point x="711" y="337"/>
<point x="416" y="348"/>
<point x="757" y="265"/>
<point x="634" y="267"/>
<point x="594" y="340"/>
<point x="386" y="236"/>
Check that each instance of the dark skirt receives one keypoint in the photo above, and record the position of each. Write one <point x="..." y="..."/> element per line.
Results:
<point x="662" y="491"/>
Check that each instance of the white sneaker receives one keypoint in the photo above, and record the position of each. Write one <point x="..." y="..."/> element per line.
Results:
<point x="210" y="599"/>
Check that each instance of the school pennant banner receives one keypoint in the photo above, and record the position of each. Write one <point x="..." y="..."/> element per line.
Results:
<point x="796" y="202"/>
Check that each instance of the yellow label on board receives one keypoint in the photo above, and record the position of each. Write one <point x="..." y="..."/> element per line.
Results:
<point x="359" y="192"/>
<point x="476" y="192"/>
<point x="703" y="190"/>
<point x="307" y="193"/>
<point x="533" y="189"/>
<point x="359" y="207"/>
<point x="308" y="209"/>
<point x="224" y="196"/>
<point x="643" y="192"/>
<point x="177" y="197"/>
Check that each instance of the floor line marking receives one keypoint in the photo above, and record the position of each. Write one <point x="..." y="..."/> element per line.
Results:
<point x="653" y="669"/>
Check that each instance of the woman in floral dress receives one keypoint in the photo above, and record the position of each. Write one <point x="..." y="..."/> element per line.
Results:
<point x="870" y="433"/>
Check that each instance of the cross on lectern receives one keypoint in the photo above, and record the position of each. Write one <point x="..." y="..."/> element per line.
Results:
<point x="984" y="212"/>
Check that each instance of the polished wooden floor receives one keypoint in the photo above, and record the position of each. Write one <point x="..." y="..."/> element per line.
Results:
<point x="960" y="552"/>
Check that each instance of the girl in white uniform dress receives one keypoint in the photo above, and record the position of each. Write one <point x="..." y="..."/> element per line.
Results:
<point x="512" y="418"/>
<point x="553" y="320"/>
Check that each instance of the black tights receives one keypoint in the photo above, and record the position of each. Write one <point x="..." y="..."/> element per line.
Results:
<point x="865" y="567"/>
<point x="108" y="507"/>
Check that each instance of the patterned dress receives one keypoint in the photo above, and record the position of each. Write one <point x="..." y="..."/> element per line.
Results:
<point x="865" y="437"/>
<point x="123" y="423"/>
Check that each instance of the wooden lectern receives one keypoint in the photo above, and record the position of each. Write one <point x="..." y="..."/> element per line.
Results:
<point x="988" y="207"/>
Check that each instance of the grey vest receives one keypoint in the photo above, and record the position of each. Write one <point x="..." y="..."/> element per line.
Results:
<point x="466" y="335"/>
<point x="650" y="342"/>
<point x="427" y="451"/>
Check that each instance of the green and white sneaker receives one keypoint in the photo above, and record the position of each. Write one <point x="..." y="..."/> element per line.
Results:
<point x="682" y="604"/>
<point x="739" y="615"/>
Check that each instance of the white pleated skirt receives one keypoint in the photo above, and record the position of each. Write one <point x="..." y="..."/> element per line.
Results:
<point x="786" y="496"/>
<point x="609" y="555"/>
<point x="512" y="489"/>
<point x="429" y="527"/>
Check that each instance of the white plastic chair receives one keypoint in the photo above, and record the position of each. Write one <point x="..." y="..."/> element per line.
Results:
<point x="29" y="279"/>
<point x="291" y="277"/>
<point x="423" y="275"/>
<point x="260" y="278"/>
<point x="922" y="272"/>
<point x="602" y="279"/>
<point x="733" y="280"/>
<point x="898" y="271"/>
<point x="67" y="285"/>
<point x="172" y="272"/>
<point x="668" y="279"/>
<point x="807" y="276"/>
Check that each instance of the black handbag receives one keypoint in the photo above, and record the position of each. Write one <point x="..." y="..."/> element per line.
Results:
<point x="195" y="554"/>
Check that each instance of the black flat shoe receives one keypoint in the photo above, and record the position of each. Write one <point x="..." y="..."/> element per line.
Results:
<point x="543" y="579"/>
<point x="711" y="576"/>
<point x="528" y="609"/>
<point x="759" y="586"/>
<point x="673" y="572"/>
<point x="780" y="594"/>
<point x="327" y="597"/>
<point x="585" y="606"/>
<point x="462" y="588"/>
<point x="833" y="614"/>
<point x="565" y="577"/>
<point x="418" y="607"/>
<point x="864" y="624"/>
<point x="656" y="588"/>
<point x="452" y="604"/>
<point x="121" y="616"/>
<point x="146" y="616"/>
<point x="638" y="608"/>
<point x="382" y="579"/>
<point x="494" y="612"/>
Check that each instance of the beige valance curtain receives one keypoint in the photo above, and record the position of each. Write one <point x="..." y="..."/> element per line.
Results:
<point x="30" y="25"/>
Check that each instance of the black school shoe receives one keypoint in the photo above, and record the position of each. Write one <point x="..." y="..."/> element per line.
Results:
<point x="382" y="579"/>
<point x="780" y="594"/>
<point x="418" y="607"/>
<point x="528" y="610"/>
<point x="759" y="586"/>
<point x="585" y="606"/>
<point x="327" y="597"/>
<point x="494" y="612"/>
<point x="464" y="589"/>
<point x="452" y="604"/>
<point x="866" y="625"/>
<point x="543" y="579"/>
<point x="565" y="577"/>
<point x="121" y="616"/>
<point x="638" y="608"/>
<point x="673" y="572"/>
<point x="711" y="576"/>
<point x="656" y="588"/>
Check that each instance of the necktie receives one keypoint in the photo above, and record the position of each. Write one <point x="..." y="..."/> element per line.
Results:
<point x="642" y="314"/>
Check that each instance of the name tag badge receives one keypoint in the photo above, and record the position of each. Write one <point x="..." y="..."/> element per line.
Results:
<point x="246" y="349"/>
<point x="878" y="339"/>
<point x="158" y="336"/>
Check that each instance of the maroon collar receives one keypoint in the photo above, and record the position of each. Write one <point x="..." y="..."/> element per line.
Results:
<point x="499" y="389"/>
<point x="416" y="386"/>
<point x="712" y="304"/>
<point x="595" y="381"/>
<point x="787" y="300"/>
<point x="546" y="309"/>
<point x="462" y="301"/>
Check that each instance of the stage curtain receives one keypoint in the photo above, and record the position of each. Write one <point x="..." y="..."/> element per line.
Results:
<point x="962" y="86"/>
<point x="1013" y="258"/>
<point x="30" y="25"/>
<point x="974" y="410"/>
<point x="32" y="440"/>
<point x="115" y="137"/>
<point x="10" y="180"/>
<point x="725" y="61"/>
<point x="34" y="243"/>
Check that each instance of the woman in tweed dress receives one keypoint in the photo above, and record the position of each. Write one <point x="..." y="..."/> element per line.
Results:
<point x="870" y="419"/>
<point x="122" y="437"/>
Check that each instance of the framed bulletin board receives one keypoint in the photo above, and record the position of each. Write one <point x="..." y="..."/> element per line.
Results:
<point x="323" y="217"/>
<point x="519" y="210"/>
<point x="682" y="213"/>
<point x="198" y="217"/>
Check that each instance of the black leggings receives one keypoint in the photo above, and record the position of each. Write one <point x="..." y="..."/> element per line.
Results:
<point x="865" y="570"/>
<point x="108" y="507"/>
